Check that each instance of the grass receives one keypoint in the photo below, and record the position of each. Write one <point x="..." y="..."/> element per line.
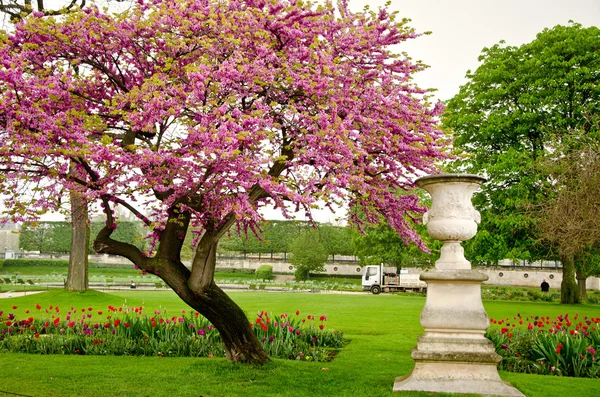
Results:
<point x="382" y="329"/>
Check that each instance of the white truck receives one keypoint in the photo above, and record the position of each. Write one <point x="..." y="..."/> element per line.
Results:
<point x="376" y="280"/>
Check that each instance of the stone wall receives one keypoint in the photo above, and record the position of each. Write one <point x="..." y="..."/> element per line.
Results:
<point x="510" y="276"/>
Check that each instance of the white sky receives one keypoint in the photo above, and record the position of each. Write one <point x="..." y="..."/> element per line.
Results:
<point x="462" y="28"/>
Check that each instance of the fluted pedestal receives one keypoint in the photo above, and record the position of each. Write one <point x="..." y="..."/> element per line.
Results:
<point x="453" y="356"/>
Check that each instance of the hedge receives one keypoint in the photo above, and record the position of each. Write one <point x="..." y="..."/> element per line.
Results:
<point x="36" y="262"/>
<point x="59" y="263"/>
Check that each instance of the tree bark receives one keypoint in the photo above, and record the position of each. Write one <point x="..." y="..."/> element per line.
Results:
<point x="568" y="286"/>
<point x="239" y="340"/>
<point x="581" y="281"/>
<point x="77" y="279"/>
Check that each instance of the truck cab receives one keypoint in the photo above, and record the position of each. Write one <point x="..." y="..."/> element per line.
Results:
<point x="372" y="279"/>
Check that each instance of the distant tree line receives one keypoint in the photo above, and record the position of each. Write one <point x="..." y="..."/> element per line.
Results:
<point x="306" y="247"/>
<point x="56" y="236"/>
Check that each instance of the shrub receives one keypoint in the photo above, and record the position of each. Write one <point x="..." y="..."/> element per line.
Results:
<point x="264" y="272"/>
<point x="301" y="274"/>
<point x="590" y="299"/>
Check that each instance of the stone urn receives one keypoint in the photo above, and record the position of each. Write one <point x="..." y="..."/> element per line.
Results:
<point x="453" y="356"/>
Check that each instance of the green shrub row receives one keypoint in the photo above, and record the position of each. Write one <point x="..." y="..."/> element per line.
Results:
<point x="56" y="263"/>
<point x="36" y="262"/>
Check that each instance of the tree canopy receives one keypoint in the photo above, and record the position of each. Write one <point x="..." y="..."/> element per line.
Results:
<point x="512" y="114"/>
<point x="200" y="112"/>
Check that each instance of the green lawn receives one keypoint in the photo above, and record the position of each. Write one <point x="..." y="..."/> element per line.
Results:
<point x="381" y="328"/>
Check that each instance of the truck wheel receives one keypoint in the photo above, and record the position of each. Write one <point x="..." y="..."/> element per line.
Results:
<point x="376" y="290"/>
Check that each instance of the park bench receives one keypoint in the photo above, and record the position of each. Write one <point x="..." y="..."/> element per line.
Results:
<point x="158" y="285"/>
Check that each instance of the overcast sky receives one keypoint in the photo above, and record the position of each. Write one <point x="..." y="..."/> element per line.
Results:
<point x="462" y="28"/>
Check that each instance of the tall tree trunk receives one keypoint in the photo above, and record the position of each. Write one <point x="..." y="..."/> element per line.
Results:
<point x="581" y="280"/>
<point x="77" y="280"/>
<point x="568" y="286"/>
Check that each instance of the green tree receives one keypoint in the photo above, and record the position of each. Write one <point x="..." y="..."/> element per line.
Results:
<point x="272" y="237"/>
<point x="570" y="219"/>
<point x="381" y="244"/>
<point x="35" y="237"/>
<point x="337" y="239"/>
<point x="308" y="253"/>
<point x="57" y="236"/>
<point x="507" y="118"/>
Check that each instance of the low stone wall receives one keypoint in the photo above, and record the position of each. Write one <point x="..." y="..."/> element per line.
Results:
<point x="509" y="276"/>
<point x="531" y="278"/>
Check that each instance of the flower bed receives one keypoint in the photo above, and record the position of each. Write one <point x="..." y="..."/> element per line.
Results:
<point x="564" y="346"/>
<point x="130" y="331"/>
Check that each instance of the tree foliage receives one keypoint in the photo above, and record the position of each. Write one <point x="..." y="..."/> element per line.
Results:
<point x="514" y="109"/>
<point x="381" y="244"/>
<point x="198" y="113"/>
<point x="277" y="236"/>
<point x="56" y="236"/>
<point x="308" y="253"/>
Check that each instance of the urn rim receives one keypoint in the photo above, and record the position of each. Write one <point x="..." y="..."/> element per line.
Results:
<point x="440" y="178"/>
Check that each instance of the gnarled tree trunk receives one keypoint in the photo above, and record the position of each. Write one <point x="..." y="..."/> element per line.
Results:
<point x="568" y="287"/>
<point x="196" y="287"/>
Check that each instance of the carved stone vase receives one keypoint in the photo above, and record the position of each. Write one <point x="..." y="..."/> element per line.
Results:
<point x="453" y="356"/>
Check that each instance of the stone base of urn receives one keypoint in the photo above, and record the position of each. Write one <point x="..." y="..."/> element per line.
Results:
<point x="453" y="356"/>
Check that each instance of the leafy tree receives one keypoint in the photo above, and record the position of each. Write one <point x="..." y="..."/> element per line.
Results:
<point x="308" y="253"/>
<point x="271" y="237"/>
<point x="506" y="120"/>
<point x="202" y="112"/>
<point x="381" y="244"/>
<point x="56" y="236"/>
<point x="570" y="219"/>
<point x="33" y="238"/>
<point x="336" y="239"/>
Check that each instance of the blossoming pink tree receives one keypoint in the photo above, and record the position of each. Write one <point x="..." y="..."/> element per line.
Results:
<point x="199" y="113"/>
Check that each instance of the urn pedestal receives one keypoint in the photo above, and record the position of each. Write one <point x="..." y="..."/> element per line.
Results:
<point x="453" y="356"/>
